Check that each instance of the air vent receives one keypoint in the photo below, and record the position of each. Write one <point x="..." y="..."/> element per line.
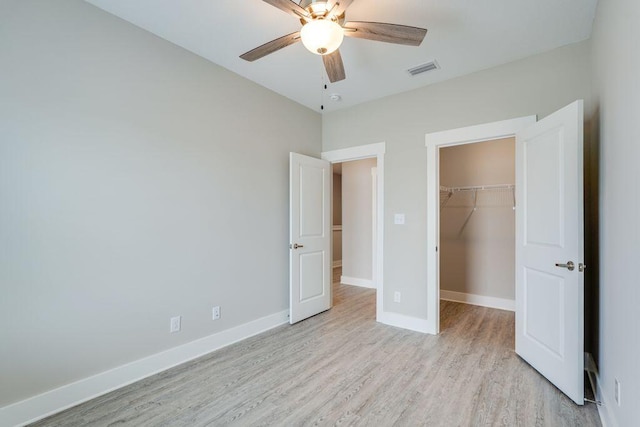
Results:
<point x="423" y="68"/>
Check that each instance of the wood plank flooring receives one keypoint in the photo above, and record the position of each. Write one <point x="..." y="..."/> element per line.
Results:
<point x="343" y="368"/>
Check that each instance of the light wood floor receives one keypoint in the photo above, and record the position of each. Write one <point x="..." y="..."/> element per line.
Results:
<point x="343" y="368"/>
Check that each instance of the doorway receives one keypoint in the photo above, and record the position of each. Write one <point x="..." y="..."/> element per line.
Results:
<point x="375" y="154"/>
<point x="354" y="217"/>
<point x="477" y="224"/>
<point x="434" y="142"/>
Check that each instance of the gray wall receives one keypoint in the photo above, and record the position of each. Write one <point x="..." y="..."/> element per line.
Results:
<point x="536" y="85"/>
<point x="132" y="176"/>
<point x="357" y="219"/>
<point x="477" y="248"/>
<point x="616" y="62"/>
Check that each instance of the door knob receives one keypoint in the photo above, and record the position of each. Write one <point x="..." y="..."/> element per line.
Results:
<point x="569" y="265"/>
<point x="296" y="246"/>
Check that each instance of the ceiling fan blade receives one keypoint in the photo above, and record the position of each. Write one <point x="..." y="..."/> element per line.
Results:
<point x="289" y="6"/>
<point x="334" y="66"/>
<point x="270" y="47"/>
<point x="390" y="33"/>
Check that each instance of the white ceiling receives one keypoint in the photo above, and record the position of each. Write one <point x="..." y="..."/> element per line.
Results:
<point x="464" y="36"/>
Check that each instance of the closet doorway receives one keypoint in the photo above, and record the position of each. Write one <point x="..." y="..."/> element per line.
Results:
<point x="434" y="142"/>
<point x="477" y="223"/>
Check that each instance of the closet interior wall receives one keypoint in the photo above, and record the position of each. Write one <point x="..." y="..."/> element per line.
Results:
<point x="477" y="226"/>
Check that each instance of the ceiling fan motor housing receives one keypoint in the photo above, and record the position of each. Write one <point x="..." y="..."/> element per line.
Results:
<point x="319" y="10"/>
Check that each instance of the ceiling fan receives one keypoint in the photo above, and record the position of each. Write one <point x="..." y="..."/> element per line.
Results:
<point x="323" y="28"/>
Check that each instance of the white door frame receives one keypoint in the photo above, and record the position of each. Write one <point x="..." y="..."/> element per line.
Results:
<point x="374" y="224"/>
<point x="435" y="141"/>
<point x="366" y="152"/>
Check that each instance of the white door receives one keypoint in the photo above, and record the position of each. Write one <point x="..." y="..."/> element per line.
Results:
<point x="549" y="249"/>
<point x="310" y="236"/>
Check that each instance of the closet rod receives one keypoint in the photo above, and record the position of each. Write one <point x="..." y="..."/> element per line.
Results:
<point x="480" y="187"/>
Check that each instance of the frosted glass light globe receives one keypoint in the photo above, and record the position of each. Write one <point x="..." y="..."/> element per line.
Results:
<point x="321" y="36"/>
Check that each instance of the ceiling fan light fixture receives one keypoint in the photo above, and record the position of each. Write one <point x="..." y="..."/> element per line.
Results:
<point x="321" y="36"/>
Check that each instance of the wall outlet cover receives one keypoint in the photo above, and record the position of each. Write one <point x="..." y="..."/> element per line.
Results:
<point x="174" y="325"/>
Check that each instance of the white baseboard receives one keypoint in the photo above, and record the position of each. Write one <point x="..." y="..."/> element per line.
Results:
<point x="405" y="322"/>
<point x="364" y="283"/>
<point x="491" y="302"/>
<point x="337" y="263"/>
<point x="51" y="402"/>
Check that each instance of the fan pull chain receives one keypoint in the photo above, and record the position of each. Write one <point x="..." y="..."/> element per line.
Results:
<point x="322" y="103"/>
<point x="322" y="91"/>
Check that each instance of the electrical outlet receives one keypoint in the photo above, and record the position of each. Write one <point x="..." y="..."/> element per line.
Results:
<point x="175" y="324"/>
<point x="397" y="297"/>
<point x="617" y="391"/>
<point x="215" y="313"/>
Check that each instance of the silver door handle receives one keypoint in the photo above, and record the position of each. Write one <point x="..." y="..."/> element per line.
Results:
<point x="296" y="246"/>
<point x="569" y="265"/>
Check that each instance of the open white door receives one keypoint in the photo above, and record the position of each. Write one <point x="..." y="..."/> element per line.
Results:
<point x="310" y="236"/>
<point x="549" y="249"/>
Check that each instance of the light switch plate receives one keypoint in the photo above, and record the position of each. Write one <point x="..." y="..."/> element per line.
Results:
<point x="398" y="218"/>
